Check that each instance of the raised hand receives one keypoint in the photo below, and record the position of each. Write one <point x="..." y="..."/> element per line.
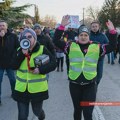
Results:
<point x="2" y="33"/>
<point x="65" y="20"/>
<point x="110" y="25"/>
<point x="25" y="51"/>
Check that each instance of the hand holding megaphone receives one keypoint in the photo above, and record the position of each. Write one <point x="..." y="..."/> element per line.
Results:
<point x="25" y="51"/>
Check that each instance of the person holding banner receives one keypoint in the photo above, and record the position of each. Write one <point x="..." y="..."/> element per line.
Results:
<point x="83" y="60"/>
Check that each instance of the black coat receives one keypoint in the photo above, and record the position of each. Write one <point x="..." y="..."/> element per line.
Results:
<point x="8" y="48"/>
<point x="47" y="42"/>
<point x="36" y="97"/>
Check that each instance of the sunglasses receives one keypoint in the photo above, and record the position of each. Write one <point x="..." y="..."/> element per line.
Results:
<point x="37" y="28"/>
<point x="28" y="37"/>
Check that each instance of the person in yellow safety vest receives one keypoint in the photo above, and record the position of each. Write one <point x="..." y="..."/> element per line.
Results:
<point x="83" y="59"/>
<point x="31" y="83"/>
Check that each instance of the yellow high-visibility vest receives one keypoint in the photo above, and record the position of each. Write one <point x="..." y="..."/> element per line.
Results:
<point x="80" y="63"/>
<point x="34" y="83"/>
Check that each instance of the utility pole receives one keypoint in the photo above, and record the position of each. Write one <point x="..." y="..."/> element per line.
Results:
<point x="83" y="15"/>
<point x="36" y="17"/>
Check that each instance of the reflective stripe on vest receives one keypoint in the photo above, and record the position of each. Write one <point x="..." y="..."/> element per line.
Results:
<point x="90" y="60"/>
<point x="75" y="69"/>
<point x="34" y="83"/>
<point x="31" y="81"/>
<point x="86" y="64"/>
<point x="89" y="69"/>
<point x="76" y="60"/>
<point x="24" y="71"/>
<point x="84" y="69"/>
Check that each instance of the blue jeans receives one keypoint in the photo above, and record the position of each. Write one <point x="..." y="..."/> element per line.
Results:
<point x="23" y="110"/>
<point x="11" y="76"/>
<point x="100" y="70"/>
<point x="47" y="75"/>
<point x="110" y="57"/>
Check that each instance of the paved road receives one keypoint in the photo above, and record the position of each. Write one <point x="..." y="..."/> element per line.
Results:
<point x="109" y="90"/>
<point x="59" y="105"/>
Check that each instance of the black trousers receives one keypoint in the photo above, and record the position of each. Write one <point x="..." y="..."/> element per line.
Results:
<point x="60" y="61"/>
<point x="79" y="94"/>
<point x="23" y="110"/>
<point x="67" y="63"/>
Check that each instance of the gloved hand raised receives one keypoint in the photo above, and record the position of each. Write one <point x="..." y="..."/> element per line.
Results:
<point x="2" y="33"/>
<point x="110" y="25"/>
<point x="65" y="20"/>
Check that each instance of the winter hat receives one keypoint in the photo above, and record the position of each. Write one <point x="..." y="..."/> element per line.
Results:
<point x="29" y="30"/>
<point x="37" y="26"/>
<point x="83" y="28"/>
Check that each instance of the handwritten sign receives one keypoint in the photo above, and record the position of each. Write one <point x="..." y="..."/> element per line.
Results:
<point x="74" y="22"/>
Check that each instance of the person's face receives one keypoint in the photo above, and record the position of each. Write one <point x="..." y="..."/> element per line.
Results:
<point x="83" y="38"/>
<point x="38" y="31"/>
<point x="3" y="26"/>
<point x="31" y="38"/>
<point x="95" y="27"/>
<point x="21" y="30"/>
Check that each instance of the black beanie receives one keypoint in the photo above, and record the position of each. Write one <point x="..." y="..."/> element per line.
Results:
<point x="83" y="28"/>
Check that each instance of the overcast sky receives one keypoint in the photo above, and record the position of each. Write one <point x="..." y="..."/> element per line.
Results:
<point x="58" y="8"/>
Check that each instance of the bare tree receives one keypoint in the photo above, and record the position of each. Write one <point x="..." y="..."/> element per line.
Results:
<point x="49" y="21"/>
<point x="93" y="13"/>
<point x="87" y="21"/>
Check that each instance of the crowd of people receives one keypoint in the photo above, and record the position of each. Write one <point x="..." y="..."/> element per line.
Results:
<point x="84" y="50"/>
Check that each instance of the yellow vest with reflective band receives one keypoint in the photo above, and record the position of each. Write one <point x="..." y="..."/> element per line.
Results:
<point x="34" y="83"/>
<point x="80" y="63"/>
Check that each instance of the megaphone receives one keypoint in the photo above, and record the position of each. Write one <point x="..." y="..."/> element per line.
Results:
<point x="25" y="44"/>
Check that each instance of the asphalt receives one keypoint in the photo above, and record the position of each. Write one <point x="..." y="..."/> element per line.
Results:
<point x="59" y="105"/>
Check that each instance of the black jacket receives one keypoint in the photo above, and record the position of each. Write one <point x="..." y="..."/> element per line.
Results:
<point x="100" y="38"/>
<point x="104" y="49"/>
<point x="8" y="48"/>
<point x="70" y="35"/>
<point x="47" y="42"/>
<point x="36" y="97"/>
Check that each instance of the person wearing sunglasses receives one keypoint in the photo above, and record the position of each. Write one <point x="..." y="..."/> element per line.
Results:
<point x="31" y="82"/>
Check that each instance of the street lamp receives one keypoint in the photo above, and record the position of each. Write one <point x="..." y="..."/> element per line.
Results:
<point x="83" y="15"/>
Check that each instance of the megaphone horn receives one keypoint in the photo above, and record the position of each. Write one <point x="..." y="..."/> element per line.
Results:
<point x="25" y="44"/>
